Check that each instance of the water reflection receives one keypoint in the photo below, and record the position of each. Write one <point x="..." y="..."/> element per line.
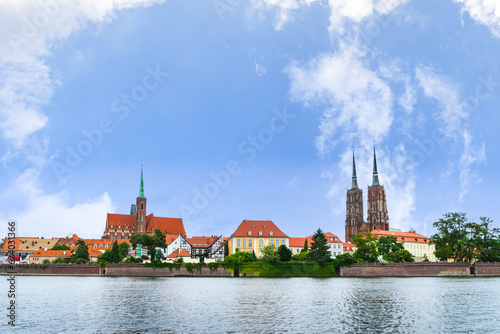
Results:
<point x="255" y="305"/>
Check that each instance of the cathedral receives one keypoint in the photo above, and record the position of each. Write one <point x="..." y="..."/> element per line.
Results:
<point x="119" y="226"/>
<point x="377" y="217"/>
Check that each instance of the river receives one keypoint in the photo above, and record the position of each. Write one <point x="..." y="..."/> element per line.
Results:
<point x="252" y="305"/>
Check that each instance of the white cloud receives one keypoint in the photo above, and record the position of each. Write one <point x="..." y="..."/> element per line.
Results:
<point x="259" y="70"/>
<point x="52" y="215"/>
<point x="284" y="8"/>
<point x="294" y="183"/>
<point x="345" y="12"/>
<point x="486" y="12"/>
<point x="358" y="102"/>
<point x="453" y="116"/>
<point x="470" y="156"/>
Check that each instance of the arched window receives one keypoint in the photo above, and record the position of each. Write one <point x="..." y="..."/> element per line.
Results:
<point x="374" y="227"/>
<point x="271" y="242"/>
<point x="261" y="243"/>
<point x="244" y="243"/>
<point x="142" y="206"/>
<point x="352" y="198"/>
<point x="277" y="243"/>
<point x="353" y="231"/>
<point x="249" y="242"/>
<point x="283" y="242"/>
<point x="271" y="233"/>
<point x="238" y="243"/>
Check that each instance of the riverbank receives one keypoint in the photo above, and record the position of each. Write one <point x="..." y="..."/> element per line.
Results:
<point x="260" y="269"/>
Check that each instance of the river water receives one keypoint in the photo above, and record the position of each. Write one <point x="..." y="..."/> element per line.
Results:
<point x="253" y="305"/>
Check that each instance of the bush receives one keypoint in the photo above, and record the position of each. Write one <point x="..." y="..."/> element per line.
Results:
<point x="46" y="261"/>
<point x="302" y="256"/>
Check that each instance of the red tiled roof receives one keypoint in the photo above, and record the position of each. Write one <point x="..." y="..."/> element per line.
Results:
<point x="299" y="242"/>
<point x="52" y="253"/>
<point x="94" y="252"/>
<point x="348" y="246"/>
<point x="411" y="236"/>
<point x="184" y="253"/>
<point x="17" y="241"/>
<point x="116" y="219"/>
<point x="202" y="242"/>
<point x="169" y="238"/>
<point x="166" y="225"/>
<point x="332" y="238"/>
<point x="256" y="226"/>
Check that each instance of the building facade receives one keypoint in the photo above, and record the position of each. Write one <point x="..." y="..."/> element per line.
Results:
<point x="418" y="245"/>
<point x="253" y="235"/>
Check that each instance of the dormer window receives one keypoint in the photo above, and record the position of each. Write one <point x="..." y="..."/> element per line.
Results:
<point x="264" y="226"/>
<point x="271" y="233"/>
<point x="331" y="239"/>
<point x="260" y="232"/>
<point x="249" y="232"/>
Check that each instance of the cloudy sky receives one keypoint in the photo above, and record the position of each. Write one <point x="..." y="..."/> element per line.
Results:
<point x="246" y="110"/>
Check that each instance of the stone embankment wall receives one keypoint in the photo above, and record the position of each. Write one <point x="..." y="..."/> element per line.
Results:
<point x="53" y="269"/>
<point x="487" y="269"/>
<point x="408" y="269"/>
<point x="140" y="270"/>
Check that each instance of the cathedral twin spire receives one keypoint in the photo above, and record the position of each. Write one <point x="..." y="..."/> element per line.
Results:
<point x="141" y="187"/>
<point x="375" y="181"/>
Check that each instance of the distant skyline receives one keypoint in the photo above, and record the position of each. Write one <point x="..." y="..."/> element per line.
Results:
<point x="247" y="110"/>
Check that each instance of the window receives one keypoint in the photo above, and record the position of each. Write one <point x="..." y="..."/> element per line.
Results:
<point x="244" y="243"/>
<point x="260" y="232"/>
<point x="353" y="231"/>
<point x="271" y="242"/>
<point x="238" y="243"/>
<point x="264" y="226"/>
<point x="142" y="205"/>
<point x="249" y="242"/>
<point x="331" y="239"/>
<point x="249" y="232"/>
<point x="261" y="243"/>
<point x="283" y="242"/>
<point x="271" y="233"/>
<point x="141" y="228"/>
<point x="352" y="198"/>
<point x="277" y="243"/>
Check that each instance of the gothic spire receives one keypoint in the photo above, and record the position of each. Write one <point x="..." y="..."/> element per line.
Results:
<point x="354" y="178"/>
<point x="141" y="187"/>
<point x="375" y="172"/>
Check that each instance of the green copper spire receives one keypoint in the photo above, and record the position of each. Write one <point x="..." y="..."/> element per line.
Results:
<point x="354" y="178"/>
<point x="141" y="188"/>
<point x="375" y="172"/>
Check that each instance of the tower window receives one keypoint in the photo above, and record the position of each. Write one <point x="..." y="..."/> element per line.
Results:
<point x="142" y="206"/>
<point x="353" y="231"/>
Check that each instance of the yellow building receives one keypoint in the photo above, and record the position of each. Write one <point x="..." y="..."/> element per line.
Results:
<point x="253" y="235"/>
<point x="417" y="244"/>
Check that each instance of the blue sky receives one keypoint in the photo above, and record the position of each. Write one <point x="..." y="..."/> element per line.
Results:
<point x="246" y="110"/>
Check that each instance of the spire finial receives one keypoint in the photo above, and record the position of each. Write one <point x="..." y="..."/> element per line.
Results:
<point x="354" y="178"/>
<point x="141" y="187"/>
<point x="375" y="172"/>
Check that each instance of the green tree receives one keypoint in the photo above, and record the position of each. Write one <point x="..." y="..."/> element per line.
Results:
<point x="319" y="251"/>
<point x="123" y="247"/>
<point x="149" y="242"/>
<point x="306" y="247"/>
<point x="270" y="254"/>
<point x="401" y="255"/>
<point x="344" y="260"/>
<point x="285" y="253"/>
<point x="46" y="261"/>
<point x="254" y="257"/>
<point x="61" y="260"/>
<point x="389" y="244"/>
<point x="81" y="254"/>
<point x="366" y="247"/>
<point x="61" y="247"/>
<point x="463" y="241"/>
<point x="302" y="256"/>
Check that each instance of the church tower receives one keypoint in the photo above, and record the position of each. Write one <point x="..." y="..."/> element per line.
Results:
<point x="354" y="207"/>
<point x="140" y="209"/>
<point x="378" y="217"/>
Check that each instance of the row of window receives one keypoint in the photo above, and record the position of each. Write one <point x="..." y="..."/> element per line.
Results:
<point x="243" y="243"/>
